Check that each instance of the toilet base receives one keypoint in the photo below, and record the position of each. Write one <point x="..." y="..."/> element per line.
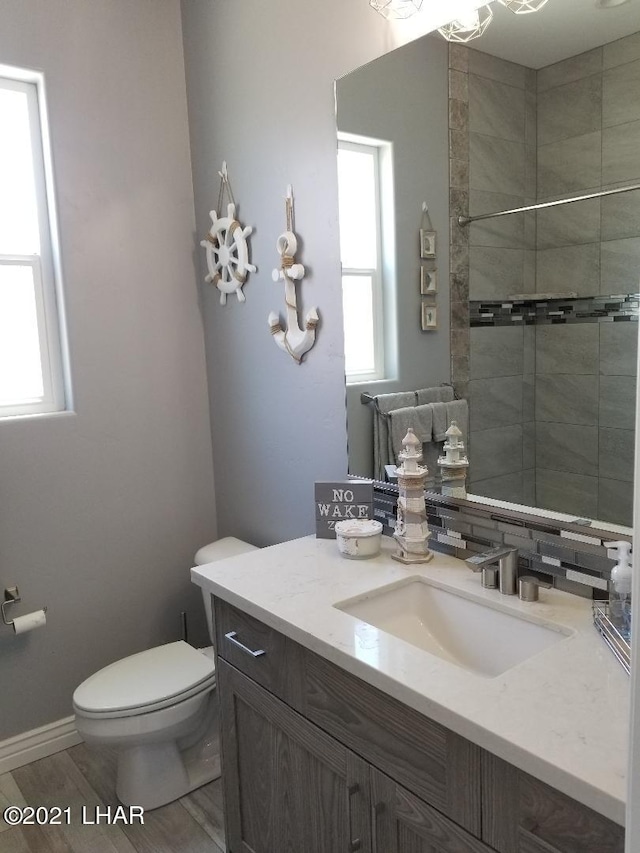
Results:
<point x="153" y="775"/>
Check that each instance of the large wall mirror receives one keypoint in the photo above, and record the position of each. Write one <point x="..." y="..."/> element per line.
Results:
<point x="536" y="313"/>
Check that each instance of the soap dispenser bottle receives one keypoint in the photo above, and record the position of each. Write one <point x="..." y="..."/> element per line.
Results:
<point x="620" y="588"/>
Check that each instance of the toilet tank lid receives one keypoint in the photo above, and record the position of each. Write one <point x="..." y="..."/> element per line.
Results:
<point x="145" y="678"/>
<point x="227" y="547"/>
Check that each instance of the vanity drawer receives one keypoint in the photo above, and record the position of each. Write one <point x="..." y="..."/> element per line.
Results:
<point x="437" y="765"/>
<point x="252" y="647"/>
<point x="520" y="814"/>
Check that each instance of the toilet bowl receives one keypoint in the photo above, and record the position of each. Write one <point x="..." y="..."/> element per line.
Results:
<point x="158" y="709"/>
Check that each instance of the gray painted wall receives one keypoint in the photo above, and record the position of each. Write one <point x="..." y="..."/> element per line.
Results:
<point x="260" y="83"/>
<point x="403" y="98"/>
<point x="101" y="511"/>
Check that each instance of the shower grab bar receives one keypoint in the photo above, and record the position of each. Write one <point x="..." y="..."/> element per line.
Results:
<point x="466" y="220"/>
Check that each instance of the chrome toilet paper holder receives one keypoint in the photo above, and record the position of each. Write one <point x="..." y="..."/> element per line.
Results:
<point x="11" y="596"/>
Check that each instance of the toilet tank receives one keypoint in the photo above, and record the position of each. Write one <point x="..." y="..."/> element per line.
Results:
<point x="220" y="550"/>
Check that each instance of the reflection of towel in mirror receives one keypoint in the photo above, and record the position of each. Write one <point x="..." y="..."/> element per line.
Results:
<point x="420" y="419"/>
<point x="382" y="446"/>
<point x="439" y="394"/>
<point x="444" y="413"/>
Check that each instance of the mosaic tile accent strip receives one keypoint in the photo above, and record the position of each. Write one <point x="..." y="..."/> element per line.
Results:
<point x="589" y="309"/>
<point x="559" y="552"/>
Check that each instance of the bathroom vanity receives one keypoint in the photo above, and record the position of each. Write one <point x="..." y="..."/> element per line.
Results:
<point x="351" y="727"/>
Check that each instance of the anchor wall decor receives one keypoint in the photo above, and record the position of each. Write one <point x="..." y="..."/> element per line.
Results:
<point x="227" y="246"/>
<point x="292" y="339"/>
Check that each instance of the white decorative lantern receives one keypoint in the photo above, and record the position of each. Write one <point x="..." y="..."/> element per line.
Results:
<point x="453" y="465"/>
<point x="411" y="530"/>
<point x="470" y="25"/>
<point x="396" y="9"/>
<point x="523" y="7"/>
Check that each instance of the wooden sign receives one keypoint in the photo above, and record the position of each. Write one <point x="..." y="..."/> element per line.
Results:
<point x="339" y="501"/>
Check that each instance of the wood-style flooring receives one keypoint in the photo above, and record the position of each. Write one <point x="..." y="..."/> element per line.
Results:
<point x="85" y="777"/>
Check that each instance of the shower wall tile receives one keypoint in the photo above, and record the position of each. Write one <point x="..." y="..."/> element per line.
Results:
<point x="531" y="118"/>
<point x="496" y="352"/>
<point x="616" y="452"/>
<point x="568" y="70"/>
<point x="529" y="445"/>
<point x="569" y="224"/>
<point x="505" y="231"/>
<point x="496" y="109"/>
<point x="570" y="165"/>
<point x="508" y="487"/>
<point x="529" y="272"/>
<point x="615" y="501"/>
<point x="570" y="110"/>
<point x="458" y="56"/>
<point x="618" y="348"/>
<point x="496" y="165"/>
<point x="567" y="447"/>
<point x="620" y="90"/>
<point x="621" y="153"/>
<point x="567" y="349"/>
<point x="496" y="451"/>
<point x="458" y="85"/>
<point x="569" y="399"/>
<point x="579" y="265"/>
<point x="495" y="273"/>
<point x="495" y="402"/>
<point x="529" y="342"/>
<point x="570" y="493"/>
<point x="493" y="68"/>
<point x="618" y="402"/>
<point x="458" y="145"/>
<point x="620" y="261"/>
<point x="621" y="216"/>
<point x="621" y="51"/>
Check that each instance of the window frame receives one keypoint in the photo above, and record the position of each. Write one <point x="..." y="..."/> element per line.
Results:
<point x="380" y="151"/>
<point x="47" y="276"/>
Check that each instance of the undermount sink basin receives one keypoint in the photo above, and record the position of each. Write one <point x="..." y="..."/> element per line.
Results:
<point x="462" y="631"/>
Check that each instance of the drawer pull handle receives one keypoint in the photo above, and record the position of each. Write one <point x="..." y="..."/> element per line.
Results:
<point x="378" y="809"/>
<point x="354" y="843"/>
<point x="231" y="636"/>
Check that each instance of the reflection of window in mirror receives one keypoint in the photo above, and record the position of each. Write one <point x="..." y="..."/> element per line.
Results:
<point x="364" y="180"/>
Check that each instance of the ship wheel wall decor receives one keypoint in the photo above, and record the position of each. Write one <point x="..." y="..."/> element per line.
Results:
<point x="227" y="247"/>
<point x="292" y="339"/>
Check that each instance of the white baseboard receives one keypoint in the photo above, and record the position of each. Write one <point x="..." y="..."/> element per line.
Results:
<point x="38" y="743"/>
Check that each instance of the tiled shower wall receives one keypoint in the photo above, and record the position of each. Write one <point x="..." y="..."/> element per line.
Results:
<point x="552" y="406"/>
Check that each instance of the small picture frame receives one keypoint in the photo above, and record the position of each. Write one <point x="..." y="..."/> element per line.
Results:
<point x="428" y="281"/>
<point x="429" y="317"/>
<point x="427" y="243"/>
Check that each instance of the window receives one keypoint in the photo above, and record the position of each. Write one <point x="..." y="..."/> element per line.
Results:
<point x="31" y="365"/>
<point x="361" y="171"/>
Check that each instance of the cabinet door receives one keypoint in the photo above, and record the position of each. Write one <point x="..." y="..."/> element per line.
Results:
<point x="288" y="786"/>
<point x="520" y="814"/>
<point x="402" y="823"/>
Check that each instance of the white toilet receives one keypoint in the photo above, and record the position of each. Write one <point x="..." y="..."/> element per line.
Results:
<point x="158" y="708"/>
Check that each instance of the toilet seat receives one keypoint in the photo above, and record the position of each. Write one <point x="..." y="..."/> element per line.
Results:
<point x="145" y="682"/>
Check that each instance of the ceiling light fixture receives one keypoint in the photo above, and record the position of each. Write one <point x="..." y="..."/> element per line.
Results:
<point x="396" y="9"/>
<point x="523" y="7"/>
<point x="470" y="25"/>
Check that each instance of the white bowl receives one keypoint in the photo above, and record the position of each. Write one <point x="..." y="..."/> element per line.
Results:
<point x="359" y="538"/>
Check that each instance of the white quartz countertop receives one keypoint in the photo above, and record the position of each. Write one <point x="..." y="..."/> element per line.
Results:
<point x="561" y="715"/>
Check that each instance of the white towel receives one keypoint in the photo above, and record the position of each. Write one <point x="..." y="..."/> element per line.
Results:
<point x="420" y="419"/>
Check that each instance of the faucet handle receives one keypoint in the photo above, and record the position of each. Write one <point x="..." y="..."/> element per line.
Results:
<point x="529" y="586"/>
<point x="489" y="572"/>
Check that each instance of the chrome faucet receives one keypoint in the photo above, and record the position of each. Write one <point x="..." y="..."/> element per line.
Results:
<point x="499" y="567"/>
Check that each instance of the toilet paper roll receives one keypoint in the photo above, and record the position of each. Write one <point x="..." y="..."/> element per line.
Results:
<point x="29" y="622"/>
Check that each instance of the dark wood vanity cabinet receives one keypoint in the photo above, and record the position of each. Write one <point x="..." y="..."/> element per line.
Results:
<point x="316" y="761"/>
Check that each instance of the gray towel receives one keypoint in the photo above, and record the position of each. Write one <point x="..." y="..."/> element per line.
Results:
<point x="444" y="413"/>
<point x="439" y="394"/>
<point x="382" y="445"/>
<point x="420" y="419"/>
